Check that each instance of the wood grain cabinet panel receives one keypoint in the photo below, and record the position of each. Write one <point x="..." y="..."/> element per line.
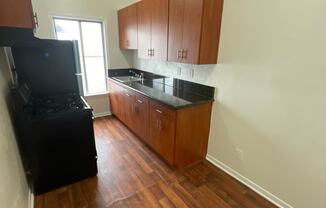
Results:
<point x="175" y="46"/>
<point x="162" y="131"/>
<point x="141" y="118"/>
<point x="128" y="99"/>
<point x="117" y="101"/>
<point x="194" y="29"/>
<point x="159" y="33"/>
<point x="144" y="29"/>
<point x="128" y="27"/>
<point x="16" y="13"/>
<point x="153" y="29"/>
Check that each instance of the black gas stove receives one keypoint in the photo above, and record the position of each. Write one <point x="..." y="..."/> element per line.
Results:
<point x="54" y="124"/>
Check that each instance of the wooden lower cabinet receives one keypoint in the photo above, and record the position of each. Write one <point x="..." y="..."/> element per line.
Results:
<point x="141" y="118"/>
<point x="117" y="101"/>
<point x="162" y="131"/>
<point x="179" y="136"/>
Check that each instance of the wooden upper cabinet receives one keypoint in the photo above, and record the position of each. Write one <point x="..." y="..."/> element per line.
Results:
<point x="16" y="13"/>
<point x="175" y="30"/>
<point x="144" y="28"/>
<point x="194" y="31"/>
<point x="128" y="29"/>
<point x="153" y="29"/>
<point x="160" y="16"/>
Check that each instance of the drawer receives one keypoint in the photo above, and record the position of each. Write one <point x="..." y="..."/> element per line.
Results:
<point x="160" y="109"/>
<point x="141" y="99"/>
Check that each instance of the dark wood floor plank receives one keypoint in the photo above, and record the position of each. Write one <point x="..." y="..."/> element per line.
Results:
<point x="131" y="175"/>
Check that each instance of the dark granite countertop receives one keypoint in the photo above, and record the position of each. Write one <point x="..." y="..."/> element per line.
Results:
<point x="173" y="92"/>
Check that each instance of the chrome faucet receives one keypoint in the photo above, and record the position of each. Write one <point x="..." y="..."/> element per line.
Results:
<point x="134" y="73"/>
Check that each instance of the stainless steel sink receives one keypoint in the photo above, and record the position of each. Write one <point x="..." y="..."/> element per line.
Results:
<point x="125" y="79"/>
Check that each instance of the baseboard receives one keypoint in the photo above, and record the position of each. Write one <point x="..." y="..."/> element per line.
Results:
<point x="98" y="115"/>
<point x="30" y="199"/>
<point x="250" y="184"/>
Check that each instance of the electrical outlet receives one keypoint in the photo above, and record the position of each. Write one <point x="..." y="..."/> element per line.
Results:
<point x="192" y="73"/>
<point x="240" y="153"/>
<point x="179" y="71"/>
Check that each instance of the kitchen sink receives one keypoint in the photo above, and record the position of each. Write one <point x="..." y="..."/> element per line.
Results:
<point x="125" y="79"/>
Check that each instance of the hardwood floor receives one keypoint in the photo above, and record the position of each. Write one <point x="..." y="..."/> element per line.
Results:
<point x="131" y="175"/>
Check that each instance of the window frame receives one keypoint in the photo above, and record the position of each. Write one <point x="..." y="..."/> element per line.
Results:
<point x="104" y="41"/>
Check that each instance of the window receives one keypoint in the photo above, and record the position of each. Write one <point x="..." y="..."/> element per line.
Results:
<point x="89" y="35"/>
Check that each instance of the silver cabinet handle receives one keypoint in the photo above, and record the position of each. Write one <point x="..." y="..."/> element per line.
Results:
<point x="139" y="101"/>
<point x="184" y="53"/>
<point x="127" y="95"/>
<point x="157" y="124"/>
<point x="179" y="56"/>
<point x="149" y="52"/>
<point x="35" y="19"/>
<point x="160" y="112"/>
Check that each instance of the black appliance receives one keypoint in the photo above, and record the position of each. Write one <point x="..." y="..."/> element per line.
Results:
<point x="54" y="123"/>
<point x="11" y="36"/>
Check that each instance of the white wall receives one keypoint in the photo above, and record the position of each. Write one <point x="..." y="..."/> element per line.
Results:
<point x="14" y="192"/>
<point x="105" y="10"/>
<point x="271" y="96"/>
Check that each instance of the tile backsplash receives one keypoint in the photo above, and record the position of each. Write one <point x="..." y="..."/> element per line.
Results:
<point x="195" y="73"/>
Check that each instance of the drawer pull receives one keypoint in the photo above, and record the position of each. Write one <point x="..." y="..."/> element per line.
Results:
<point x="139" y="101"/>
<point x="160" y="112"/>
<point x="127" y="95"/>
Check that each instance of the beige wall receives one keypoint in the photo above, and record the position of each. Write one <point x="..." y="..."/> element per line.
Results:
<point x="105" y="10"/>
<point x="14" y="192"/>
<point x="271" y="96"/>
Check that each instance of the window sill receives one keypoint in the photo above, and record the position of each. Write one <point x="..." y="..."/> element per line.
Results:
<point x="97" y="94"/>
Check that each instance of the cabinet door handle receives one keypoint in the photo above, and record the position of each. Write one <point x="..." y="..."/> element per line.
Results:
<point x="127" y="95"/>
<point x="152" y="54"/>
<point x="139" y="101"/>
<point x="149" y="52"/>
<point x="160" y="126"/>
<point x="179" y="56"/>
<point x="184" y="53"/>
<point x="35" y="19"/>
<point x="160" y="112"/>
<point x="157" y="126"/>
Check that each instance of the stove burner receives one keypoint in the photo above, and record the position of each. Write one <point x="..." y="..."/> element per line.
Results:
<point x="58" y="103"/>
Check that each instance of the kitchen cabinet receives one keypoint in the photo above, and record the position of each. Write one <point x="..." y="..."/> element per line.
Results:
<point x="141" y="118"/>
<point x="117" y="101"/>
<point x="153" y="29"/>
<point x="128" y="29"/>
<point x="17" y="13"/>
<point x="194" y="31"/>
<point x="179" y="136"/>
<point x="162" y="131"/>
<point x="130" y="108"/>
<point x="128" y="99"/>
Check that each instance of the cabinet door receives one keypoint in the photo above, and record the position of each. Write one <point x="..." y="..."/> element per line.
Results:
<point x="128" y="27"/>
<point x="128" y="97"/>
<point x="175" y="30"/>
<point x="117" y="101"/>
<point x="159" y="24"/>
<point x="193" y="12"/>
<point x="16" y="13"/>
<point x="144" y="28"/>
<point x="141" y="118"/>
<point x="122" y="21"/>
<point x="162" y="131"/>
